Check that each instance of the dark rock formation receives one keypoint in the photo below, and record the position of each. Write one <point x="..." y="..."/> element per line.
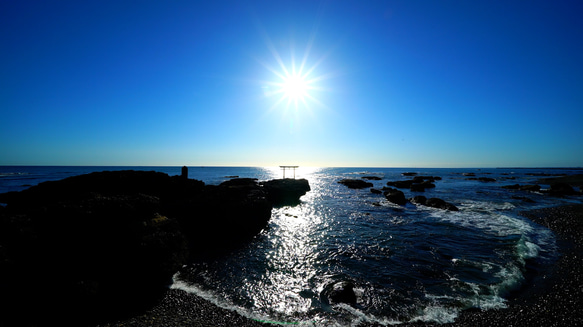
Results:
<point x="94" y="250"/>
<point x="340" y="292"/>
<point x="103" y="245"/>
<point x="285" y="191"/>
<point x="440" y="204"/>
<point x="409" y="174"/>
<point x="371" y="178"/>
<point x="395" y="196"/>
<point x="184" y="172"/>
<point x="376" y="191"/>
<point x="355" y="183"/>
<point x="561" y="189"/>
<point x="401" y="184"/>
<point x="417" y="188"/>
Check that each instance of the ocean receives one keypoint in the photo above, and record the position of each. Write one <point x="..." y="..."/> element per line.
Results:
<point x="407" y="263"/>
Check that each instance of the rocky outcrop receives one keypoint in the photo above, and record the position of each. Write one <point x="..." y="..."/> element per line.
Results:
<point x="355" y="183"/>
<point x="561" y="189"/>
<point x="394" y="196"/>
<point x="417" y="184"/>
<point x="440" y="204"/>
<point x="106" y="244"/>
<point x="285" y="191"/>
<point x="92" y="250"/>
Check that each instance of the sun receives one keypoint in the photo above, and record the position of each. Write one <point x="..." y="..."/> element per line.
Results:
<point x="295" y="87"/>
<point x="295" y="84"/>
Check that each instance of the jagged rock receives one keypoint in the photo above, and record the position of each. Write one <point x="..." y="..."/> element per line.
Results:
<point x="440" y="204"/>
<point x="285" y="191"/>
<point x="340" y="292"/>
<point x="355" y="183"/>
<point x="395" y="196"/>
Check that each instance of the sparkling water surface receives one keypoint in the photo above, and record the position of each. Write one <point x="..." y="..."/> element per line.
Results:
<point x="408" y="263"/>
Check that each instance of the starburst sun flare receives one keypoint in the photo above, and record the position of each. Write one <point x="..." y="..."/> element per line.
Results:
<point x="295" y="85"/>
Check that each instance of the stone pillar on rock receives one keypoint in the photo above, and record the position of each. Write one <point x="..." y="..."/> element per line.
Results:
<point x="184" y="172"/>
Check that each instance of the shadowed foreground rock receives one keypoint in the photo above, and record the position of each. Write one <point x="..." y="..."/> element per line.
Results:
<point x="105" y="245"/>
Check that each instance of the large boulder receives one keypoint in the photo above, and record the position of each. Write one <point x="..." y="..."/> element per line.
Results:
<point x="355" y="183"/>
<point x="395" y="196"/>
<point x="286" y="191"/>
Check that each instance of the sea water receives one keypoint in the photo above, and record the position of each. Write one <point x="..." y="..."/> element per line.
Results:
<point x="408" y="263"/>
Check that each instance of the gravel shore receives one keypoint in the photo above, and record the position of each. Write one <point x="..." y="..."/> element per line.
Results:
<point x="553" y="298"/>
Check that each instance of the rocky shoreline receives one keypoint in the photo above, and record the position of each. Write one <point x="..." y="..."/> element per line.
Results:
<point x="171" y="229"/>
<point x="552" y="299"/>
<point x="103" y="246"/>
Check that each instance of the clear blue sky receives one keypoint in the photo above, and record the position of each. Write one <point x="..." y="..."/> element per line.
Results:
<point x="389" y="83"/>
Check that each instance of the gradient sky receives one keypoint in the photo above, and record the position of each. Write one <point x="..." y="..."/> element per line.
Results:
<point x="393" y="83"/>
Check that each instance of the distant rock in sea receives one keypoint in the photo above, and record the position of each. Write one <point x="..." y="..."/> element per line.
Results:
<point x="355" y="183"/>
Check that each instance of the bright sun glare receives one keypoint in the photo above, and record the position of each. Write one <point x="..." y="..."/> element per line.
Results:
<point x="296" y="83"/>
<point x="295" y="87"/>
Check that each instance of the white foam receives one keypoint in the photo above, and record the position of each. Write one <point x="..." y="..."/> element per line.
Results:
<point x="438" y="314"/>
<point x="361" y="317"/>
<point x="211" y="297"/>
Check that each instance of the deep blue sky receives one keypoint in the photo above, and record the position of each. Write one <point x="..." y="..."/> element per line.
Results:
<point x="393" y="83"/>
